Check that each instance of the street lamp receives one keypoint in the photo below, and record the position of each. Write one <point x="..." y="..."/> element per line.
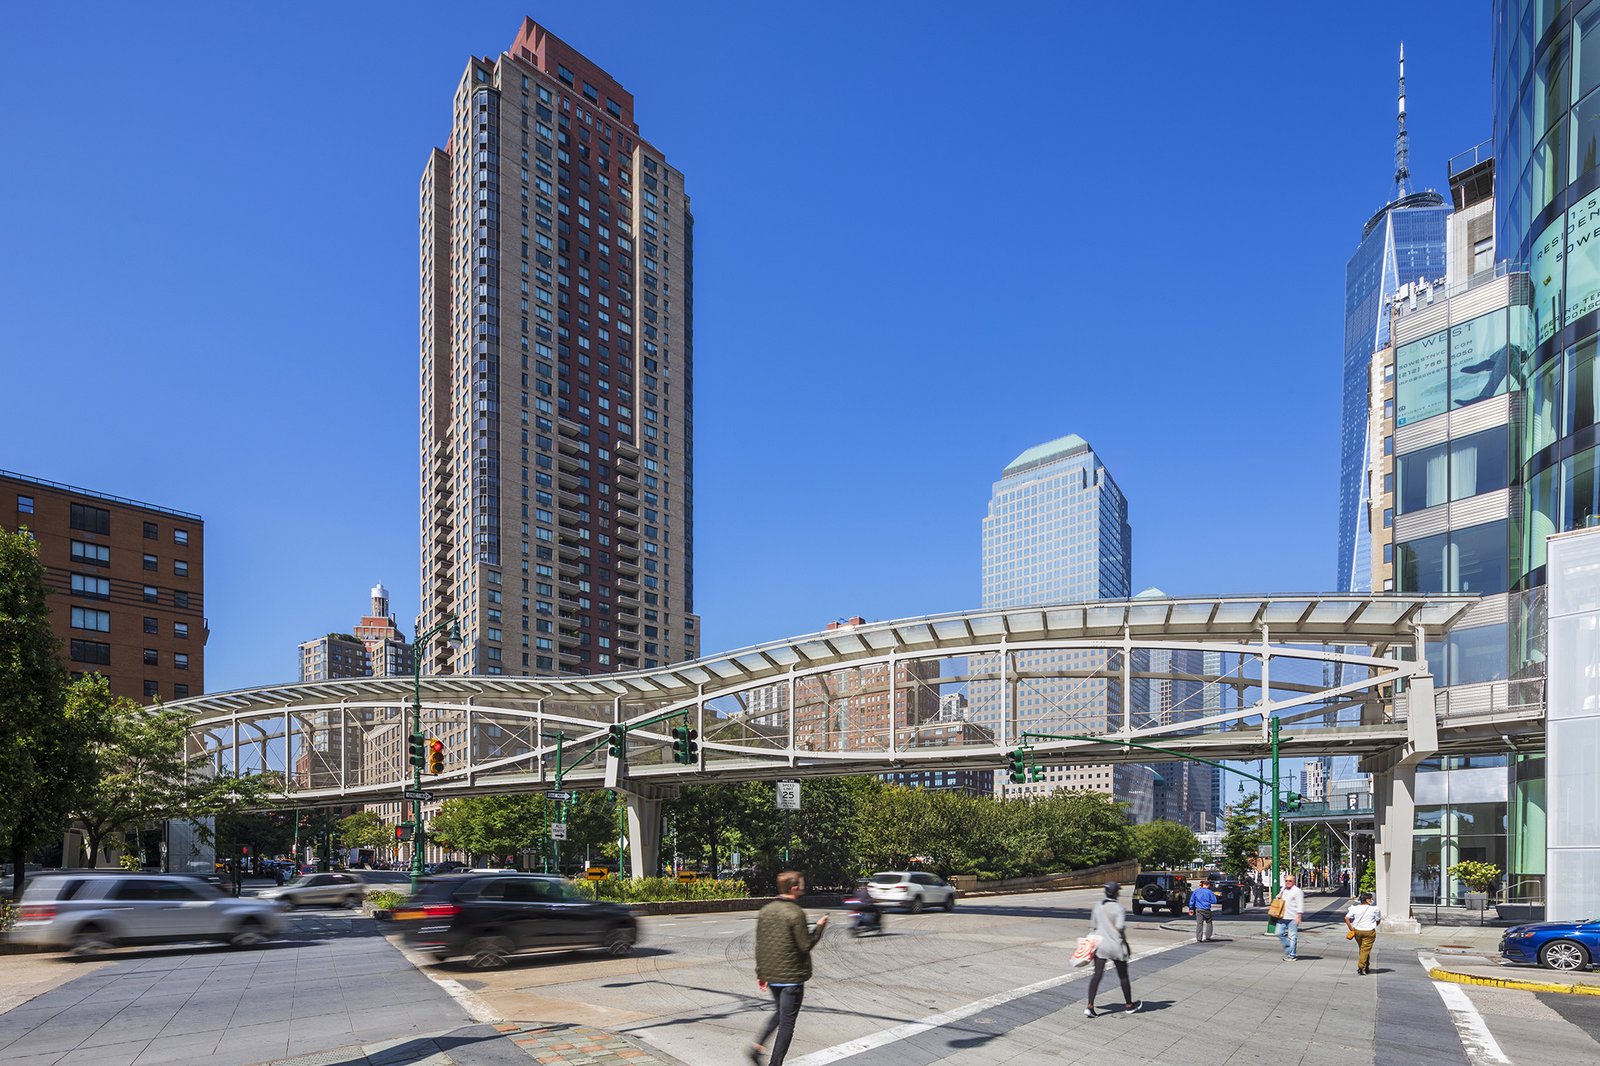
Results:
<point x="418" y="650"/>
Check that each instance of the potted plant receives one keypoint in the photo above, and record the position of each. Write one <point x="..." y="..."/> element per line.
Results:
<point x="1479" y="877"/>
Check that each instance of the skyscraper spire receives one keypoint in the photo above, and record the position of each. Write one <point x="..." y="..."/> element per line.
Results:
<point x="1402" y="173"/>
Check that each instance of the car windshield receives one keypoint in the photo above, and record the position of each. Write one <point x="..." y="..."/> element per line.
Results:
<point x="886" y="879"/>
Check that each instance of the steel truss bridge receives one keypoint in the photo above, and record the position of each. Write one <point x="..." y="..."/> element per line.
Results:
<point x="1198" y="676"/>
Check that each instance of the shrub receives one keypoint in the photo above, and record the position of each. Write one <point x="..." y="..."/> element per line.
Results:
<point x="8" y="914"/>
<point x="660" y="889"/>
<point x="385" y="899"/>
<point x="1478" y="876"/>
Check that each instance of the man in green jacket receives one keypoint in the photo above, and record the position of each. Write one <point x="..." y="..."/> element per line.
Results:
<point x="783" y="962"/>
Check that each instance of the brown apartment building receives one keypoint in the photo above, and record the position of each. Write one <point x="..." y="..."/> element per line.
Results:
<point x="127" y="581"/>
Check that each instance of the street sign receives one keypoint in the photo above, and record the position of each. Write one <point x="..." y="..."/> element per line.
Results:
<point x="687" y="877"/>
<point x="558" y="797"/>
<point x="558" y="830"/>
<point x="596" y="873"/>
<point x="414" y="794"/>
<point x="788" y="795"/>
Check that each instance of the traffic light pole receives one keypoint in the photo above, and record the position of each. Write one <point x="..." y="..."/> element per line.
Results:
<point x="417" y="652"/>
<point x="1276" y="883"/>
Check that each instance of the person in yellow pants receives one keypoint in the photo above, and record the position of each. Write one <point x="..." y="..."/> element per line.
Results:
<point x="1362" y="921"/>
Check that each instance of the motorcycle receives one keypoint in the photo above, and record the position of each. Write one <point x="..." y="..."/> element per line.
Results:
<point x="865" y="916"/>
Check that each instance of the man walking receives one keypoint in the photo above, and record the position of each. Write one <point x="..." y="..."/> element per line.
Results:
<point x="1201" y="901"/>
<point x="783" y="963"/>
<point x="1294" y="907"/>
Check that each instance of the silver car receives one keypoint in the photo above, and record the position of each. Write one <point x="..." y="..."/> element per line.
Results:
<point x="91" y="910"/>
<point x="320" y="890"/>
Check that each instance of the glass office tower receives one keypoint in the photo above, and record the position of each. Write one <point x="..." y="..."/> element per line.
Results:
<point x="1404" y="242"/>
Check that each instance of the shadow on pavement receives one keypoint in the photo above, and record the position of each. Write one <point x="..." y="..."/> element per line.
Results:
<point x="562" y="955"/>
<point x="190" y="949"/>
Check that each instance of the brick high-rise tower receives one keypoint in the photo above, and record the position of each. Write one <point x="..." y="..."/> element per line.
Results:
<point x="557" y="376"/>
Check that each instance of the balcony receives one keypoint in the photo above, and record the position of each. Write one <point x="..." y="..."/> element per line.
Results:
<point x="625" y="517"/>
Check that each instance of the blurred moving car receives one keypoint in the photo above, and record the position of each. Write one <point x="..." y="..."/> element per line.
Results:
<point x="912" y="890"/>
<point x="1566" y="946"/>
<point x="449" y="866"/>
<point x="1156" y="890"/>
<point x="92" y="910"/>
<point x="376" y="878"/>
<point x="320" y="890"/>
<point x="489" y="918"/>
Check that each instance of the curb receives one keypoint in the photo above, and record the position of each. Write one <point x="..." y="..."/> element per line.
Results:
<point x="1504" y="982"/>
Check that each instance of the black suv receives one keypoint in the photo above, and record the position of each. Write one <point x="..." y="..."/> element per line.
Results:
<point x="488" y="918"/>
<point x="1157" y="890"/>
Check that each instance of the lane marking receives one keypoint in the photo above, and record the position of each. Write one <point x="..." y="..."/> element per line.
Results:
<point x="935" y="1021"/>
<point x="1476" y="1040"/>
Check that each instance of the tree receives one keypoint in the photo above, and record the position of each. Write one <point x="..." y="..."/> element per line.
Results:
<point x="141" y="774"/>
<point x="1246" y="830"/>
<point x="1164" y="845"/>
<point x="490" y="825"/>
<point x="46" y="744"/>
<point x="364" y="829"/>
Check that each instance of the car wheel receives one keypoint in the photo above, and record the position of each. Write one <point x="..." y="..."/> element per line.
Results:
<point x="950" y="903"/>
<point x="249" y="934"/>
<point x="1174" y="910"/>
<point x="90" y="940"/>
<point x="620" y="941"/>
<point x="915" y="906"/>
<point x="1137" y="910"/>
<point x="1564" y="955"/>
<point x="488" y="952"/>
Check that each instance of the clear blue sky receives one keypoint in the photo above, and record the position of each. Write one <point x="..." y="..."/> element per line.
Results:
<point x="928" y="236"/>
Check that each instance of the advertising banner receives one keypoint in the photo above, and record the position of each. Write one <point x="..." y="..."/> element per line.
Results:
<point x="1421" y="378"/>
<point x="1478" y="359"/>
<point x="1583" y="256"/>
<point x="1547" y="283"/>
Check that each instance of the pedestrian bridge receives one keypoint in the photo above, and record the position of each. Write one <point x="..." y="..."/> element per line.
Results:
<point x="1344" y="675"/>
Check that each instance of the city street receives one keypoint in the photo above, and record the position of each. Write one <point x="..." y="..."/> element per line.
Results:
<point x="987" y="984"/>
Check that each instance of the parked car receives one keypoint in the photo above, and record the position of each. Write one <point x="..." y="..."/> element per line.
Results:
<point x="1568" y="946"/>
<point x="320" y="890"/>
<point x="1156" y="890"/>
<point x="91" y="910"/>
<point x="1231" y="894"/>
<point x="912" y="890"/>
<point x="489" y="918"/>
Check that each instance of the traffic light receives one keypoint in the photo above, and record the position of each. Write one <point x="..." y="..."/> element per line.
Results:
<point x="619" y="741"/>
<point x="684" y="747"/>
<point x="1292" y="801"/>
<point x="435" y="756"/>
<point x="416" y="746"/>
<point x="1035" y="772"/>
<point x="1019" y="765"/>
<point x="402" y="833"/>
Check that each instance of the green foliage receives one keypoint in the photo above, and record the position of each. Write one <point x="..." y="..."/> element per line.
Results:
<point x="1165" y="845"/>
<point x="660" y="889"/>
<point x="44" y="744"/>
<point x="1246" y="829"/>
<point x="1369" y="878"/>
<point x="1477" y="876"/>
<point x="8" y="914"/>
<point x="364" y="829"/>
<point x="386" y="899"/>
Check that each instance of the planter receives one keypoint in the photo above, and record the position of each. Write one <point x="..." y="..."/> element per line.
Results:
<point x="1519" y="912"/>
<point x="1477" y="901"/>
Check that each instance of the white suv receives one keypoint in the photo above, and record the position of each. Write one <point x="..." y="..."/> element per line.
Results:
<point x="913" y="891"/>
<point x="91" y="910"/>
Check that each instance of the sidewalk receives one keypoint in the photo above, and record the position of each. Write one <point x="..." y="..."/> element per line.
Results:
<point x="505" y="1044"/>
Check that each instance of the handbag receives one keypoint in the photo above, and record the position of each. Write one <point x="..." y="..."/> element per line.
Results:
<point x="1275" y="909"/>
<point x="1085" y="950"/>
<point x="1350" y="935"/>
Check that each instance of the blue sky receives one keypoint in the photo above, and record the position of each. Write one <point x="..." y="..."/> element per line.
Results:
<point x="927" y="237"/>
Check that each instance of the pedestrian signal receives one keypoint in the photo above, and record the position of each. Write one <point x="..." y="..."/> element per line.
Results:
<point x="402" y="833"/>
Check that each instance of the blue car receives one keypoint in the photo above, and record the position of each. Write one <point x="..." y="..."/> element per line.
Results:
<point x="1568" y="946"/>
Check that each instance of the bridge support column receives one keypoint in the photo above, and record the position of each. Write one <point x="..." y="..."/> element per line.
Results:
<point x="644" y="835"/>
<point x="1394" y="817"/>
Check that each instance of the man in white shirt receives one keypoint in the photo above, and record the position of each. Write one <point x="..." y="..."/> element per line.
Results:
<point x="1294" y="906"/>
<point x="1362" y="920"/>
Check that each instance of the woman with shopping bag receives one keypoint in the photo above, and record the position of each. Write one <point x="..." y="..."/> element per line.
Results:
<point x="1107" y="926"/>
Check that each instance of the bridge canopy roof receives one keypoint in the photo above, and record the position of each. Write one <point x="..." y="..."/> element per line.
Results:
<point x="1376" y="621"/>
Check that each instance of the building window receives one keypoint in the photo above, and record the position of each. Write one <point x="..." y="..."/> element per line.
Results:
<point x="180" y="661"/>
<point x="180" y="536"/>
<point x="180" y="692"/>
<point x="151" y="562"/>
<point x="98" y="621"/>
<point x="93" y="554"/>
<point x="94" y="588"/>
<point x="91" y="651"/>
<point x="152" y="657"/>
<point x="24" y="504"/>
<point x="180" y="568"/>
<point x="180" y="599"/>
<point x="150" y="531"/>
<point x="151" y="625"/>
<point x="151" y="594"/>
<point x="90" y="519"/>
<point x="152" y="689"/>
<point x="180" y="630"/>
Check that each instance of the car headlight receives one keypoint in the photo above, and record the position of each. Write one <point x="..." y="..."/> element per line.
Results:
<point x="1520" y="934"/>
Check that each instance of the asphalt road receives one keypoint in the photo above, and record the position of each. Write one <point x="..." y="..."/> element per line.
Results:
<point x="987" y="984"/>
